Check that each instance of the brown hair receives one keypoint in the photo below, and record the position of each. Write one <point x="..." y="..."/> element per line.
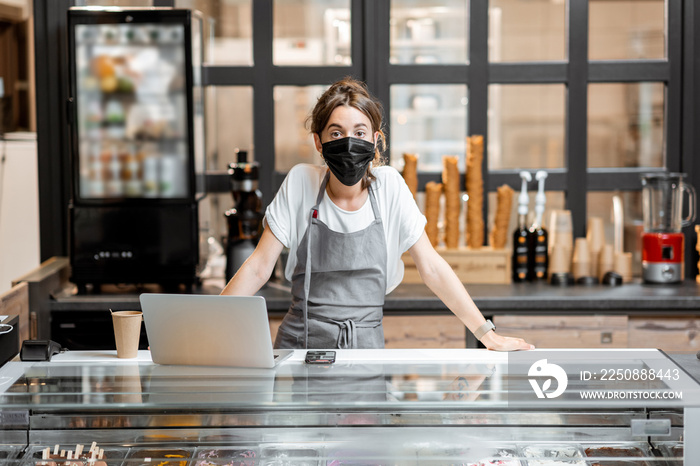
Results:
<point x="351" y="93"/>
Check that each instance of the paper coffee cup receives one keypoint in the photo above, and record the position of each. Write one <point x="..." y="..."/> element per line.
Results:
<point x="127" y="330"/>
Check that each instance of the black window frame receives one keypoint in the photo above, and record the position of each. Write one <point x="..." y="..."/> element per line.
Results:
<point x="370" y="62"/>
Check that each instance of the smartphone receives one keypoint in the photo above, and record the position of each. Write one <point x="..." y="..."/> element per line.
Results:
<point x="320" y="357"/>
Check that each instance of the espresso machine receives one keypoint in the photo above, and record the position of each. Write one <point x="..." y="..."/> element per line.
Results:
<point x="245" y="217"/>
<point x="663" y="243"/>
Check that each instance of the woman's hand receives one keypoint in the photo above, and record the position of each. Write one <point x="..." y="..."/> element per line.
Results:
<point x="496" y="342"/>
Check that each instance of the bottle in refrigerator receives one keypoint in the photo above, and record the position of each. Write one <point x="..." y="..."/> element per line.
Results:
<point x="93" y="120"/>
<point x="131" y="173"/>
<point x="172" y="176"/>
<point x="150" y="170"/>
<point x="115" y="119"/>
<point x="95" y="184"/>
<point x="114" y="186"/>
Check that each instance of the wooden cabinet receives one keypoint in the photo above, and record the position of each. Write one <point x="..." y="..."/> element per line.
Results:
<point x="424" y="331"/>
<point x="596" y="331"/>
<point x="677" y="333"/>
<point x="665" y="333"/>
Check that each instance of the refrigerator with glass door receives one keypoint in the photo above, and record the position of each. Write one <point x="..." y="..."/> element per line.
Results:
<point x="137" y="148"/>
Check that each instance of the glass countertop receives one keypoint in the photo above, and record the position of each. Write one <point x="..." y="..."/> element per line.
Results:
<point x="374" y="380"/>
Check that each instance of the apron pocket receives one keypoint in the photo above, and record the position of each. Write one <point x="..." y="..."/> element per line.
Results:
<point x="290" y="334"/>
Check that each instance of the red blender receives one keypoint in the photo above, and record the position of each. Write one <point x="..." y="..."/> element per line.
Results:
<point x="663" y="244"/>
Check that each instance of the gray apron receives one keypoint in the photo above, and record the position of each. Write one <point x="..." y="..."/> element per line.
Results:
<point x="338" y="286"/>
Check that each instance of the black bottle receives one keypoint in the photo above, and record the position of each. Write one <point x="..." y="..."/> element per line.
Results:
<point x="245" y="218"/>
<point x="539" y="263"/>
<point x="521" y="252"/>
<point x="539" y="252"/>
<point x="522" y="255"/>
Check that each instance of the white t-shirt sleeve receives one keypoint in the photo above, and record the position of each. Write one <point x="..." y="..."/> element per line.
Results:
<point x="404" y="223"/>
<point x="277" y="216"/>
<point x="285" y="214"/>
<point x="413" y="221"/>
<point x="403" y="210"/>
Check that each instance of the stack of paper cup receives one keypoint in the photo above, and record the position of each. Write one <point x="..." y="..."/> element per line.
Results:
<point x="559" y="260"/>
<point x="561" y="230"/>
<point x="606" y="260"/>
<point x="623" y="265"/>
<point x="561" y="242"/>
<point x="581" y="266"/>
<point x="596" y="239"/>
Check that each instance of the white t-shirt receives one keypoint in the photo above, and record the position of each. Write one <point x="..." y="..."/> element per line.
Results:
<point x="288" y="214"/>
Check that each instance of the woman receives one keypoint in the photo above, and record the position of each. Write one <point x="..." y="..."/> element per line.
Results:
<point x="346" y="225"/>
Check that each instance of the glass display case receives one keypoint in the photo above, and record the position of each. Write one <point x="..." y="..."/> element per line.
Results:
<point x="471" y="407"/>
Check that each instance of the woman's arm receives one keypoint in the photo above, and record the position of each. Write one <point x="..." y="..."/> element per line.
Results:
<point x="441" y="279"/>
<point x="256" y="270"/>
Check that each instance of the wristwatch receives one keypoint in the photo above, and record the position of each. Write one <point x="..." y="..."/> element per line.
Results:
<point x="485" y="328"/>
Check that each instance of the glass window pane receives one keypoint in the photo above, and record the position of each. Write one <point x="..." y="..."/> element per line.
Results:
<point x="293" y="142"/>
<point x="429" y="120"/>
<point x="626" y="125"/>
<point x="533" y="30"/>
<point x="311" y="32"/>
<point x="600" y="204"/>
<point x="626" y="29"/>
<point x="229" y="124"/>
<point x="429" y="31"/>
<point x="228" y="30"/>
<point x="526" y="124"/>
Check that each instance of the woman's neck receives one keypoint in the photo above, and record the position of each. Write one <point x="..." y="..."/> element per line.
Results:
<point x="350" y="198"/>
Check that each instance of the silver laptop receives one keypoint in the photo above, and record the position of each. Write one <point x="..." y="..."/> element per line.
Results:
<point x="209" y="330"/>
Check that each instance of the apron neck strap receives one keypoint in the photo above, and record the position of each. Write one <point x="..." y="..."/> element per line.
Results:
<point x="321" y="191"/>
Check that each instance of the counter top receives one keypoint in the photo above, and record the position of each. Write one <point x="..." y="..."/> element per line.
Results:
<point x="630" y="299"/>
<point x="688" y="361"/>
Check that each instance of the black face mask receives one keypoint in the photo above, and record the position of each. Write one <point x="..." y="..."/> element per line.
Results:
<point x="348" y="158"/>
